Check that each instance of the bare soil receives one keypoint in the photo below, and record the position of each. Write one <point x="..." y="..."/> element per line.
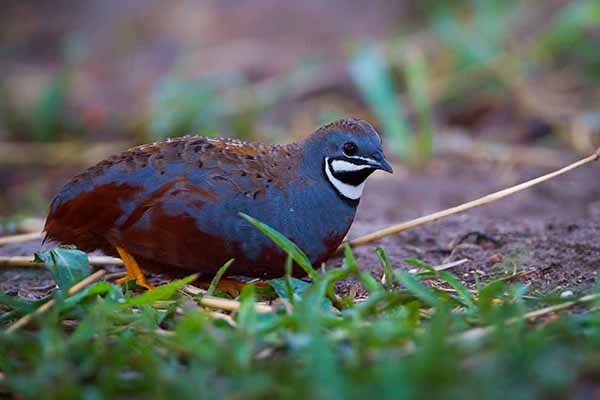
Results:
<point x="548" y="235"/>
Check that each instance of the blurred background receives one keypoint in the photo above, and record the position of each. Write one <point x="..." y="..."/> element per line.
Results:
<point x="83" y="79"/>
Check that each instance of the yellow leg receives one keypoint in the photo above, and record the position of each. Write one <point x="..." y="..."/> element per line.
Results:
<point x="133" y="270"/>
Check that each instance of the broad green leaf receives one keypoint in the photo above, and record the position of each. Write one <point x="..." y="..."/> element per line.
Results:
<point x="297" y="287"/>
<point x="160" y="293"/>
<point x="285" y="244"/>
<point x="67" y="266"/>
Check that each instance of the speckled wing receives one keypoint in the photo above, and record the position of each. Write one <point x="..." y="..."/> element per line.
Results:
<point x="148" y="198"/>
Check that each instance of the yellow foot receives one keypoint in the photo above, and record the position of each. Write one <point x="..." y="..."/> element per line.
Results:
<point x="133" y="270"/>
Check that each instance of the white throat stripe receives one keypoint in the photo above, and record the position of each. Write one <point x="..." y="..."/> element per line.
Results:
<point x="345" y="166"/>
<point x="346" y="190"/>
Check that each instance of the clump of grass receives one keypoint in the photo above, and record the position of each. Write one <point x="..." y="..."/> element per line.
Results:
<point x="372" y="72"/>
<point x="402" y="339"/>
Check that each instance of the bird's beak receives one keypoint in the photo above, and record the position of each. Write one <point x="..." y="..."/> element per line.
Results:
<point x="382" y="164"/>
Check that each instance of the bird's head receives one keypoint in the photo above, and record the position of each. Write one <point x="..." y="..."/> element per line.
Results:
<point x="348" y="151"/>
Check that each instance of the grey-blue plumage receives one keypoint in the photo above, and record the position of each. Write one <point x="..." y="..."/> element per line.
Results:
<point x="174" y="205"/>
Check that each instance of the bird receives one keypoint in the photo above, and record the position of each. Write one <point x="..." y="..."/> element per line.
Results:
<point x="173" y="206"/>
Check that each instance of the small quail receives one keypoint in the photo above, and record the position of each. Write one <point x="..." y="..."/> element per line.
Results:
<point x="174" y="206"/>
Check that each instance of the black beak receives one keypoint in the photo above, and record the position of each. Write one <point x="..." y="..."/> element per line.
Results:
<point x="382" y="164"/>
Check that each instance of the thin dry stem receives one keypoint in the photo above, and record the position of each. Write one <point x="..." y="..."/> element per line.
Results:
<point x="27" y="261"/>
<point x="230" y="305"/>
<point x="442" y="267"/>
<point x="115" y="275"/>
<point x="490" y="198"/>
<point x="220" y="303"/>
<point x="48" y="305"/>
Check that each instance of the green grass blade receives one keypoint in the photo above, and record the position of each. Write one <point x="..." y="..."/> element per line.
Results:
<point x="456" y="284"/>
<point x="164" y="292"/>
<point x="288" y="278"/>
<point x="417" y="288"/>
<point x="420" y="264"/>
<point x="247" y="317"/>
<point x="19" y="305"/>
<point x="388" y="271"/>
<point x="215" y="281"/>
<point x="285" y="244"/>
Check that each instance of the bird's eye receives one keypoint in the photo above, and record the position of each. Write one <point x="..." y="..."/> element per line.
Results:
<point x="350" y="149"/>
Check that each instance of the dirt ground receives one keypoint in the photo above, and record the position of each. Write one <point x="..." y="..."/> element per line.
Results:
<point x="550" y="233"/>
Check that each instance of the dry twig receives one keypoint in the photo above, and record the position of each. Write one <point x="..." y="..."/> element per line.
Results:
<point x="490" y="198"/>
<point x="220" y="303"/>
<point x="442" y="267"/>
<point x="27" y="261"/>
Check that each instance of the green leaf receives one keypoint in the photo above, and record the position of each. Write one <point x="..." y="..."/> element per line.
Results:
<point x="417" y="288"/>
<point x="457" y="285"/>
<point x="99" y="288"/>
<point x="297" y="287"/>
<point x="67" y="266"/>
<point x="217" y="278"/>
<point x="490" y="291"/>
<point x="285" y="244"/>
<point x="164" y="292"/>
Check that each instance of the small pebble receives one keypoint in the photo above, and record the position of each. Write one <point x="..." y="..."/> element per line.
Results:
<point x="566" y="294"/>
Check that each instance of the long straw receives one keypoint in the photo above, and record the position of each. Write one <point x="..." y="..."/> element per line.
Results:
<point x="394" y="229"/>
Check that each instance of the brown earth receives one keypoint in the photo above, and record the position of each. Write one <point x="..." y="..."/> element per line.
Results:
<point x="551" y="232"/>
